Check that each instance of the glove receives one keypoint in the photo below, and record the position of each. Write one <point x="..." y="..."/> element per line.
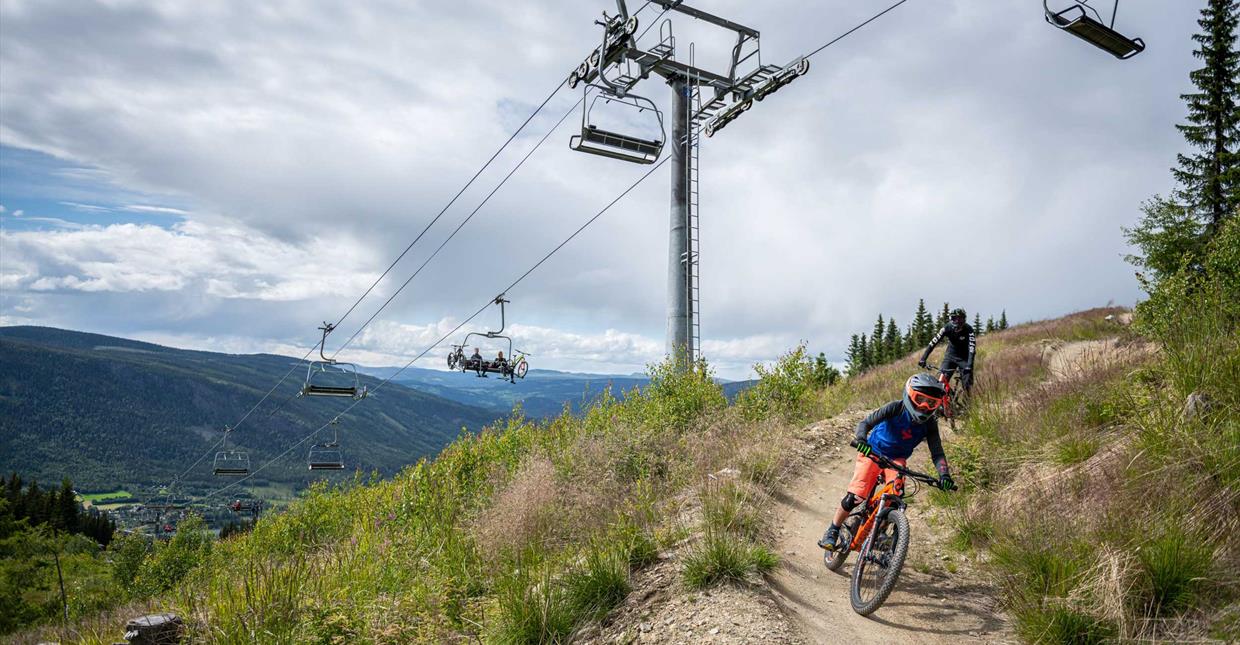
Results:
<point x="922" y="363"/>
<point x="946" y="482"/>
<point x="864" y="448"/>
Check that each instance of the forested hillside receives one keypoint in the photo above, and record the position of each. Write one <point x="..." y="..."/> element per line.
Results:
<point x="118" y="413"/>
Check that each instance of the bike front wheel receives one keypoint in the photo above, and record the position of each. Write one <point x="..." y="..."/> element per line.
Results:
<point x="522" y="368"/>
<point x="879" y="563"/>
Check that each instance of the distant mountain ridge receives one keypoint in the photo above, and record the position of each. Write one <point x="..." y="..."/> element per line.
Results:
<point x="112" y="412"/>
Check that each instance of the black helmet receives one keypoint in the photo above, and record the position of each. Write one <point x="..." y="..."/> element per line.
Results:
<point x="958" y="318"/>
<point x="923" y="394"/>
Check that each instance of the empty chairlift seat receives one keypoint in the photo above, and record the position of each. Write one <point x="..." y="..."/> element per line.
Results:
<point x="607" y="141"/>
<point x="1077" y="20"/>
<point x="233" y="463"/>
<point x="230" y="462"/>
<point x="326" y="456"/>
<point x="329" y="378"/>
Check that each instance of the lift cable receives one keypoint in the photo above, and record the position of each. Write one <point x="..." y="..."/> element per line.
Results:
<point x="438" y="342"/>
<point x="460" y="226"/>
<point x="850" y="31"/>
<point x="354" y="306"/>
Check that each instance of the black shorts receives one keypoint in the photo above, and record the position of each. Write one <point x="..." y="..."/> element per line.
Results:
<point x="951" y="364"/>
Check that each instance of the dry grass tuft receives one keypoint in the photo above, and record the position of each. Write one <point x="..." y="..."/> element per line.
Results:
<point x="525" y="511"/>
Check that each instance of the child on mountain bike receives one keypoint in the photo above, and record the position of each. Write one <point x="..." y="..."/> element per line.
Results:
<point x="961" y="346"/>
<point x="893" y="431"/>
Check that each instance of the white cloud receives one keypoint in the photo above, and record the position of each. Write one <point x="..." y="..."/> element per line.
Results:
<point x="223" y="262"/>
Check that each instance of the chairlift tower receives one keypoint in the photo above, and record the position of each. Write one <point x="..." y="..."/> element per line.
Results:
<point x="703" y="101"/>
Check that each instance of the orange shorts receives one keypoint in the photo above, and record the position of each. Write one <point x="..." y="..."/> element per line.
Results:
<point x="866" y="473"/>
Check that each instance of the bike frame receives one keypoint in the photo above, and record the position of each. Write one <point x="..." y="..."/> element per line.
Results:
<point x="881" y="501"/>
<point x="886" y="498"/>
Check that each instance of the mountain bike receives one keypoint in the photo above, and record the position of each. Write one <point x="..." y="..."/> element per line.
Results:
<point x="879" y="532"/>
<point x="957" y="395"/>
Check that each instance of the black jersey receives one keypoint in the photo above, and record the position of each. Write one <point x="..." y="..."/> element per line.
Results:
<point x="961" y="345"/>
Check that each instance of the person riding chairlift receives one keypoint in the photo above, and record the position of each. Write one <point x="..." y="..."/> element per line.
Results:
<point x="501" y="364"/>
<point x="476" y="359"/>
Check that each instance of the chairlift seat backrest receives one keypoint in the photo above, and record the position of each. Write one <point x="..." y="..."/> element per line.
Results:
<point x="232" y="463"/>
<point x="1076" y="21"/>
<point x="325" y="457"/>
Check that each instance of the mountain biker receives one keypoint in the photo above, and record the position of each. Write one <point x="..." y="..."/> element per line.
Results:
<point x="961" y="347"/>
<point x="894" y="431"/>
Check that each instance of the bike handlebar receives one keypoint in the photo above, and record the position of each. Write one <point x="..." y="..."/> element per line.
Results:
<point x="887" y="463"/>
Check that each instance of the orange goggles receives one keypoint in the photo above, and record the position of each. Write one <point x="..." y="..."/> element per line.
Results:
<point x="923" y="401"/>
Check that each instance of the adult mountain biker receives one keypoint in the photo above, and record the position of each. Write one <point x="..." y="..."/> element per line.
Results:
<point x="894" y="431"/>
<point x="961" y="347"/>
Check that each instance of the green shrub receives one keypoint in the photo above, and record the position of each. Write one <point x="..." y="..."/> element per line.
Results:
<point x="532" y="608"/>
<point x="600" y="583"/>
<point x="128" y="551"/>
<point x="1174" y="569"/>
<point x="723" y="556"/>
<point x="1059" y="625"/>
<point x="170" y="562"/>
<point x="674" y="396"/>
<point x="786" y="388"/>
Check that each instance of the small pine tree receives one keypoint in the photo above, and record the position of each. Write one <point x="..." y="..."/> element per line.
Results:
<point x="977" y="322"/>
<point x="878" y="352"/>
<point x="855" y="356"/>
<point x="941" y="321"/>
<point x="867" y="355"/>
<point x="892" y="348"/>
<point x="65" y="515"/>
<point x="990" y="324"/>
<point x="923" y="325"/>
<point x="1003" y="319"/>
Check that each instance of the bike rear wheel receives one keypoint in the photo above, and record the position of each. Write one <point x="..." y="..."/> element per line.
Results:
<point x="879" y="563"/>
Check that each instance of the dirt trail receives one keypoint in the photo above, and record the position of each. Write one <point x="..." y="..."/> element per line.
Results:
<point x="934" y="607"/>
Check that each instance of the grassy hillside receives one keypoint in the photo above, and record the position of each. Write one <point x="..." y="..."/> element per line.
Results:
<point x="114" y="413"/>
<point x="543" y="393"/>
<point x="1108" y="512"/>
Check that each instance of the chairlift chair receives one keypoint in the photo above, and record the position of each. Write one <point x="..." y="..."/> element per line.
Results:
<point x="231" y="463"/>
<point x="327" y="455"/>
<point x="1077" y="20"/>
<point x="617" y="145"/>
<point x="327" y="377"/>
<point x="512" y="366"/>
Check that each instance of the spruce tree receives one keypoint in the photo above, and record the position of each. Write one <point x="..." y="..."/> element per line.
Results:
<point x="65" y="515"/>
<point x="1003" y="320"/>
<point x="853" y="356"/>
<point x="891" y="341"/>
<point x="941" y="321"/>
<point x="923" y="325"/>
<point x="1210" y="179"/>
<point x="878" y="353"/>
<point x="990" y="324"/>
<point x="977" y="322"/>
<point x="866" y="356"/>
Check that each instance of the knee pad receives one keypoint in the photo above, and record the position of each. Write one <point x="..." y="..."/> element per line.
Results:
<point x="850" y="501"/>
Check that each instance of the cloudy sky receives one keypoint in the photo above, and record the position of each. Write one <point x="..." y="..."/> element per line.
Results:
<point x="227" y="175"/>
